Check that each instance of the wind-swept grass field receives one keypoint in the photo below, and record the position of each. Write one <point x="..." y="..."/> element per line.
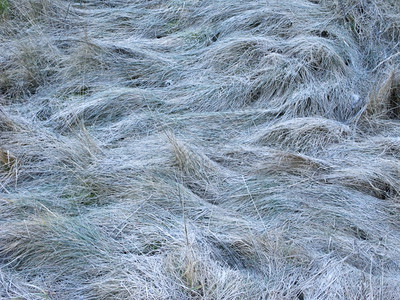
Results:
<point x="200" y="149"/>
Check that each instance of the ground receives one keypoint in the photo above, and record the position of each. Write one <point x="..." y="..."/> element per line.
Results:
<point x="199" y="149"/>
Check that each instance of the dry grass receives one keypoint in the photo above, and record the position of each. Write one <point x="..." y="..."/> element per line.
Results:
<point x="199" y="149"/>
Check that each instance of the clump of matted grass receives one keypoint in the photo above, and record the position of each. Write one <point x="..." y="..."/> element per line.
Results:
<point x="31" y="12"/>
<point x="27" y="66"/>
<point x="203" y="176"/>
<point x="383" y="101"/>
<point x="303" y="134"/>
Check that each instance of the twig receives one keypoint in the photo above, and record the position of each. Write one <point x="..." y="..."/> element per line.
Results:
<point x="254" y="203"/>
<point x="385" y="60"/>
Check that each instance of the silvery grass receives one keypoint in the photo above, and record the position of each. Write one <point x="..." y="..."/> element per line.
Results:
<point x="199" y="149"/>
